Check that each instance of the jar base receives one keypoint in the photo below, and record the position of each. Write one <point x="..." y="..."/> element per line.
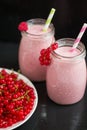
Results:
<point x="66" y="103"/>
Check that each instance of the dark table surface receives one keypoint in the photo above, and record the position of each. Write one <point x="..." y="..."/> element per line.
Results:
<point x="48" y="115"/>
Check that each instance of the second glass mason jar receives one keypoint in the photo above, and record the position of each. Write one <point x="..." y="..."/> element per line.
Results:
<point x="66" y="75"/>
<point x="31" y="43"/>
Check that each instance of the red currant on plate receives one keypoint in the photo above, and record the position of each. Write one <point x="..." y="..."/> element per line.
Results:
<point x="18" y="99"/>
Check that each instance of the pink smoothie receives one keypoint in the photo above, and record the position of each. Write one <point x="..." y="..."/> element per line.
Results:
<point x="66" y="77"/>
<point x="29" y="51"/>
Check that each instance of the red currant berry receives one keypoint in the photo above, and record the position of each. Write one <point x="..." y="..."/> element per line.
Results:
<point x="54" y="46"/>
<point x="1" y="111"/>
<point x="42" y="52"/>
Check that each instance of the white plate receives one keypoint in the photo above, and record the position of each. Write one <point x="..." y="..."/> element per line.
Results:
<point x="26" y="80"/>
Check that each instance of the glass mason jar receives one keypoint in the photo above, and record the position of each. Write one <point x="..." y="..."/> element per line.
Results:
<point x="66" y="75"/>
<point x="29" y="50"/>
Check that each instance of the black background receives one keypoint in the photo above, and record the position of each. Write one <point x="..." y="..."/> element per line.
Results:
<point x="68" y="19"/>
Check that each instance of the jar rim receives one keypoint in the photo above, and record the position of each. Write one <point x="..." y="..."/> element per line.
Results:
<point x="39" y="21"/>
<point x="62" y="42"/>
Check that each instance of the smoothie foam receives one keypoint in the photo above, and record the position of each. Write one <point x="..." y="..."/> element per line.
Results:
<point x="66" y="52"/>
<point x="37" y="30"/>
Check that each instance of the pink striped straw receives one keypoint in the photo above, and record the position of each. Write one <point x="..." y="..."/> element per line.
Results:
<point x="79" y="36"/>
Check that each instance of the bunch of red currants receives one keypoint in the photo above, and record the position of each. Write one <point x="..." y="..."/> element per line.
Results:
<point x="16" y="99"/>
<point x="45" y="58"/>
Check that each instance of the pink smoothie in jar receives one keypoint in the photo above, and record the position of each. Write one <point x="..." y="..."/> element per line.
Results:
<point x="32" y="41"/>
<point x="66" y="75"/>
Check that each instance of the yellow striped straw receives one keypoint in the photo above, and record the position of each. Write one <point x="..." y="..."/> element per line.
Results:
<point x="49" y="19"/>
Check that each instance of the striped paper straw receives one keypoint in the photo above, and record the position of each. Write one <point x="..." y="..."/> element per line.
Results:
<point x="48" y="21"/>
<point x="79" y="35"/>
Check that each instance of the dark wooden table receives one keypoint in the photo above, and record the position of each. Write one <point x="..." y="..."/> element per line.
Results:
<point x="48" y="115"/>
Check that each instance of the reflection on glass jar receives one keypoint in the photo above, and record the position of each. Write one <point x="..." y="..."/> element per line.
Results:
<point x="66" y="75"/>
<point x="31" y="43"/>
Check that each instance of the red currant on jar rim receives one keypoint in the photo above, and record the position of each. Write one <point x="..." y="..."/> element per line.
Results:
<point x="44" y="57"/>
